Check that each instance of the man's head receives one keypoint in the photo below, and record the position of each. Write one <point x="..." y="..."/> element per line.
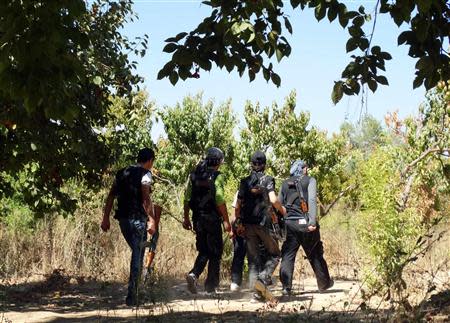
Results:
<point x="298" y="168"/>
<point x="258" y="161"/>
<point x="214" y="157"/>
<point x="145" y="157"/>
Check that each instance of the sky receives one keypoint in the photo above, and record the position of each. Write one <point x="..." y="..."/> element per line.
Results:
<point x="317" y="60"/>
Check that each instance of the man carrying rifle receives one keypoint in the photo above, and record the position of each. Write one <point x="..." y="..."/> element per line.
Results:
<point x="256" y="197"/>
<point x="134" y="212"/>
<point x="298" y="196"/>
<point x="205" y="197"/>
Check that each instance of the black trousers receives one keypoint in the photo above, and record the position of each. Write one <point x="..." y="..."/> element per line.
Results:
<point x="237" y="265"/>
<point x="257" y="235"/>
<point x="209" y="243"/>
<point x="239" y="253"/>
<point x="311" y="244"/>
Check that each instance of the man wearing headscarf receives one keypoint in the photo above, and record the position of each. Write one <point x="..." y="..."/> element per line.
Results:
<point x="256" y="197"/>
<point x="298" y="195"/>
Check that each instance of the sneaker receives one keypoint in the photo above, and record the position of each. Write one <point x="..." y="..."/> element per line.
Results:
<point x="330" y="284"/>
<point x="234" y="287"/>
<point x="265" y="292"/>
<point x="257" y="298"/>
<point x="286" y="291"/>
<point x="211" y="292"/>
<point x="191" y="280"/>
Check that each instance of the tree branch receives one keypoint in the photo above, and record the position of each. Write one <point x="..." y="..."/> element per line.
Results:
<point x="324" y="210"/>
<point x="404" y="196"/>
<point x="421" y="157"/>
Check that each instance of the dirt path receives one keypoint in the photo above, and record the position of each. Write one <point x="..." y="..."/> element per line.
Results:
<point x="102" y="301"/>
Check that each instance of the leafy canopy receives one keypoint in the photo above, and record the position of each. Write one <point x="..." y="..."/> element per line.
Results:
<point x="245" y="35"/>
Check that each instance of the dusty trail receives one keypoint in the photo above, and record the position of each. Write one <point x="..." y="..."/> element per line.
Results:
<point x="103" y="302"/>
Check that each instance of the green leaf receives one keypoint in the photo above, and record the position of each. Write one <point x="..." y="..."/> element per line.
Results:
<point x="173" y="77"/>
<point x="424" y="5"/>
<point x="279" y="54"/>
<point x="320" y="11"/>
<point x="337" y="93"/>
<point x="351" y="45"/>
<point x="376" y="50"/>
<point x="251" y="37"/>
<point x="251" y="75"/>
<point x="421" y="29"/>
<point x="276" y="79"/>
<point x="288" y="25"/>
<point x="358" y="21"/>
<point x="372" y="85"/>
<point x="33" y="146"/>
<point x="332" y="13"/>
<point x="169" y="48"/>
<point x="386" y="55"/>
<point x="382" y="80"/>
<point x="417" y="82"/>
<point x="404" y="37"/>
<point x="97" y="80"/>
<point x="266" y="74"/>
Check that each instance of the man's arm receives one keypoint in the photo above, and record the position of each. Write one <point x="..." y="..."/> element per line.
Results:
<point x="276" y="203"/>
<point x="187" y="197"/>
<point x="273" y="197"/>
<point x="148" y="207"/>
<point x="106" y="224"/>
<point x="220" y="202"/>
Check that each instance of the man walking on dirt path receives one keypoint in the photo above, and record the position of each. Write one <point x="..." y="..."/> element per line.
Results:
<point x="256" y="197"/>
<point x="205" y="197"/>
<point x="134" y="213"/>
<point x="298" y="196"/>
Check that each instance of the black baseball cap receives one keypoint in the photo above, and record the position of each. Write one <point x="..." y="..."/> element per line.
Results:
<point x="258" y="158"/>
<point x="214" y="156"/>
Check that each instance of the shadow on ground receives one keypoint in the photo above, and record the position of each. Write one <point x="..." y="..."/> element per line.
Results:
<point x="238" y="316"/>
<point x="90" y="300"/>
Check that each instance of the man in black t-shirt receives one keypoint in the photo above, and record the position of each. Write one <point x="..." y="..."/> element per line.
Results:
<point x="134" y="213"/>
<point x="256" y="197"/>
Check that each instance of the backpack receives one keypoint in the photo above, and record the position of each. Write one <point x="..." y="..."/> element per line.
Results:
<point x="255" y="204"/>
<point x="296" y="202"/>
<point x="203" y="197"/>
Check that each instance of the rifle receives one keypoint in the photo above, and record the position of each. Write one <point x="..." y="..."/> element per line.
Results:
<point x="151" y="244"/>
<point x="278" y="227"/>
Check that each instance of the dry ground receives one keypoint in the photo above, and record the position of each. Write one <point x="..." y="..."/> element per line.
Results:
<point x="59" y="298"/>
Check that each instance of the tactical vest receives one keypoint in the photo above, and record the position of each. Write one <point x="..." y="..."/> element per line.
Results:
<point x="129" y="193"/>
<point x="255" y="202"/>
<point x="203" y="196"/>
<point x="293" y="196"/>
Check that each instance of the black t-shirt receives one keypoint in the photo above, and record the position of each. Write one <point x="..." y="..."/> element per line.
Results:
<point x="254" y="195"/>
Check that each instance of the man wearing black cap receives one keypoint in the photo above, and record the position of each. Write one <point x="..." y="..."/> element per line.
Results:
<point x="205" y="197"/>
<point x="256" y="197"/>
<point x="134" y="212"/>
<point x="298" y="196"/>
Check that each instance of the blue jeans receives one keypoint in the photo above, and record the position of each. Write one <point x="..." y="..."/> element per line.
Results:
<point x="135" y="233"/>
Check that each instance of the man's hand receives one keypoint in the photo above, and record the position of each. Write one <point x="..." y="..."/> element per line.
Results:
<point x="311" y="228"/>
<point x="187" y="224"/>
<point x="227" y="226"/>
<point x="240" y="230"/>
<point x="151" y="226"/>
<point x="105" y="224"/>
